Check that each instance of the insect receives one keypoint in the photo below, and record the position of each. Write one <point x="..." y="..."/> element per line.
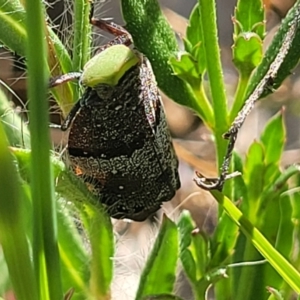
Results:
<point x="118" y="135"/>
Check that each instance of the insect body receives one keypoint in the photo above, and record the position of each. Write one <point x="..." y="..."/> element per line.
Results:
<point x="118" y="136"/>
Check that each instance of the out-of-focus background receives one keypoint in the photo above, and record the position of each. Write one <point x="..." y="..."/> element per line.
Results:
<point x="192" y="141"/>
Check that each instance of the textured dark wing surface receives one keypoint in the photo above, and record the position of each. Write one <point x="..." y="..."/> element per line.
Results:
<point x="127" y="158"/>
<point x="163" y="142"/>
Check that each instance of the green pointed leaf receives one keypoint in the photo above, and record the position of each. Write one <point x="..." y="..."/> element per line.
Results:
<point x="250" y="17"/>
<point x="186" y="227"/>
<point x="195" y="255"/>
<point x="101" y="238"/>
<point x="194" y="247"/>
<point x="275" y="294"/>
<point x="254" y="171"/>
<point x="5" y="284"/>
<point x="12" y="23"/>
<point x="73" y="255"/>
<point x="193" y="41"/>
<point x="240" y="191"/>
<point x="13" y="236"/>
<point x="223" y="241"/>
<point x="247" y="52"/>
<point x="194" y="30"/>
<point x="272" y="172"/>
<point x="273" y="138"/>
<point x="284" y="241"/>
<point x="186" y="68"/>
<point x="158" y="277"/>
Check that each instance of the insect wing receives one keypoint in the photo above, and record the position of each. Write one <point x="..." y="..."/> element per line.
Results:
<point x="162" y="142"/>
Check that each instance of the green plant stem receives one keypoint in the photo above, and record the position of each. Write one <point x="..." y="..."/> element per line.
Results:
<point x="214" y="71"/>
<point x="199" y="289"/>
<point x="81" y="42"/>
<point x="239" y="98"/>
<point x="45" y="249"/>
<point x="203" y="107"/>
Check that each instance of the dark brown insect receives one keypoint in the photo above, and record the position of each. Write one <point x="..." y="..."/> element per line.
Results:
<point x="118" y="136"/>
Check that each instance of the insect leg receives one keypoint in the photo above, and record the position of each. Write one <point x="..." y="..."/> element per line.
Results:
<point x="121" y="34"/>
<point x="58" y="80"/>
<point x="109" y="27"/>
<point x="89" y="93"/>
<point x="70" y="117"/>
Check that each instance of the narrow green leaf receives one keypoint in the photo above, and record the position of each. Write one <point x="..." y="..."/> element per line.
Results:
<point x="194" y="253"/>
<point x="186" y="227"/>
<point x="13" y="237"/>
<point x="186" y="68"/>
<point x="239" y="191"/>
<point x="223" y="241"/>
<point x="271" y="173"/>
<point x="101" y="238"/>
<point x="12" y="23"/>
<point x="273" y="138"/>
<point x="284" y="241"/>
<point x="158" y="276"/>
<point x="253" y="172"/>
<point x="5" y="283"/>
<point x="249" y="30"/>
<point x="194" y="40"/>
<point x="73" y="255"/>
<point x="247" y="52"/>
<point x="250" y="17"/>
<point x="194" y="30"/>
<point x="45" y="248"/>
